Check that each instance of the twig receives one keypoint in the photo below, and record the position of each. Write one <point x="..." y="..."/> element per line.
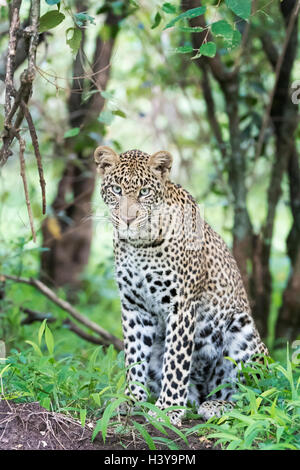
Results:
<point x="82" y="334"/>
<point x="35" y="316"/>
<point x="107" y="337"/>
<point x="37" y="153"/>
<point x="23" y="175"/>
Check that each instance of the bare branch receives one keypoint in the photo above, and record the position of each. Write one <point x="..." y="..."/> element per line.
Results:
<point x="107" y="338"/>
<point x="33" y="316"/>
<point x="82" y="334"/>
<point x="269" y="48"/>
<point x="38" y="157"/>
<point x="23" y="175"/>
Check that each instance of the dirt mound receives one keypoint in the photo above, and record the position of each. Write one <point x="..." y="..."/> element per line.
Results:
<point x="28" y="426"/>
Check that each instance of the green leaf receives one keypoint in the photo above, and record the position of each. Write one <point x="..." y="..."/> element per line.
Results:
<point x="41" y="331"/>
<point x="157" y="20"/>
<point x="148" y="439"/>
<point x="102" y="424"/>
<point x="208" y="49"/>
<point x="50" y="20"/>
<point x="52" y="2"/>
<point x="119" y="113"/>
<point x="234" y="41"/>
<point x="82" y="417"/>
<point x="4" y="369"/>
<point x="74" y="40"/>
<point x="35" y="347"/>
<point x="222" y="28"/>
<point x="46" y="403"/>
<point x="106" y="117"/>
<point x="169" y="8"/>
<point x="81" y="18"/>
<point x="72" y="132"/>
<point x="168" y="442"/>
<point x="49" y="340"/>
<point x="96" y="398"/>
<point x="184" y="49"/>
<point x="192" y="13"/>
<point x="241" y="8"/>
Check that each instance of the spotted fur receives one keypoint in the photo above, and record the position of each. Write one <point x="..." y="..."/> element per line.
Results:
<point x="184" y="306"/>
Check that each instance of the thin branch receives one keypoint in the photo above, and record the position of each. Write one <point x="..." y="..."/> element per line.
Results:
<point x="37" y="153"/>
<point x="105" y="335"/>
<point x="23" y="175"/>
<point x="269" y="48"/>
<point x="82" y="334"/>
<point x="35" y="316"/>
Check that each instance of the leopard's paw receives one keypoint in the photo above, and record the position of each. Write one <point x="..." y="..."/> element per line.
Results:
<point x="214" y="408"/>
<point x="175" y="416"/>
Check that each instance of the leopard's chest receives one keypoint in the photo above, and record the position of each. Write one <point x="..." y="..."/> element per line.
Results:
<point x="147" y="281"/>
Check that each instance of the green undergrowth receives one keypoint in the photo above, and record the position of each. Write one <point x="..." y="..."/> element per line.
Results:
<point x="267" y="411"/>
<point x="91" y="388"/>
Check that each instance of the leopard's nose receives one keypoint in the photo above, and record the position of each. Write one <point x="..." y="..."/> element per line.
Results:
<point x="127" y="220"/>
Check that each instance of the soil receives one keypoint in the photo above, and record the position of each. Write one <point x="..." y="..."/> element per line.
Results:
<point x="28" y="426"/>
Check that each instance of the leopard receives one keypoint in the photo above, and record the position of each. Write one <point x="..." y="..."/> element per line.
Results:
<point x="186" y="318"/>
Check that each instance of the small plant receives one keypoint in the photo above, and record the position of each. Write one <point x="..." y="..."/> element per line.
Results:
<point x="267" y="411"/>
<point x="60" y="382"/>
<point x="91" y="387"/>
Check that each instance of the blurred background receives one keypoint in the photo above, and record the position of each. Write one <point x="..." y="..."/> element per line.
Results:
<point x="128" y="74"/>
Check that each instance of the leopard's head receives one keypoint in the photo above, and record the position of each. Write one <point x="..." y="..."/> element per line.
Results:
<point x="133" y="188"/>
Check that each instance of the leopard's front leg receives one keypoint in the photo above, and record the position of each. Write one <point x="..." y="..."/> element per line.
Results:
<point x="179" y="345"/>
<point x="139" y="335"/>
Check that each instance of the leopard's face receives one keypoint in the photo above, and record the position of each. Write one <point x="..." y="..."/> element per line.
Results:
<point x="133" y="189"/>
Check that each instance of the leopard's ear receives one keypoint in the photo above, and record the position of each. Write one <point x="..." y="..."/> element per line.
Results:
<point x="105" y="159"/>
<point x="161" y="163"/>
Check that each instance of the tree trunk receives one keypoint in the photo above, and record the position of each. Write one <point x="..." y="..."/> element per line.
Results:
<point x="288" y="323"/>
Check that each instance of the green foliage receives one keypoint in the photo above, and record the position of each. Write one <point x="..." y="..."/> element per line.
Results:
<point x="267" y="411"/>
<point x="222" y="28"/>
<point x="169" y="8"/>
<point x="192" y="13"/>
<point x="82" y="18"/>
<point x="50" y="20"/>
<point x="73" y="39"/>
<point x="157" y="20"/>
<point x="72" y="132"/>
<point x="208" y="49"/>
<point x="63" y="382"/>
<point x="241" y="8"/>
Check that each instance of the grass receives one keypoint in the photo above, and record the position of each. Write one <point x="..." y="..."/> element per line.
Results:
<point x="267" y="411"/>
<point x="266" y="415"/>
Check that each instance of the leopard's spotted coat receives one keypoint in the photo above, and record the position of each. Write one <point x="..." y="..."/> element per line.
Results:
<point x="184" y="306"/>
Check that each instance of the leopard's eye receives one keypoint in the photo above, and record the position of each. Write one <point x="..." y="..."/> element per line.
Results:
<point x="116" y="189"/>
<point x="145" y="192"/>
